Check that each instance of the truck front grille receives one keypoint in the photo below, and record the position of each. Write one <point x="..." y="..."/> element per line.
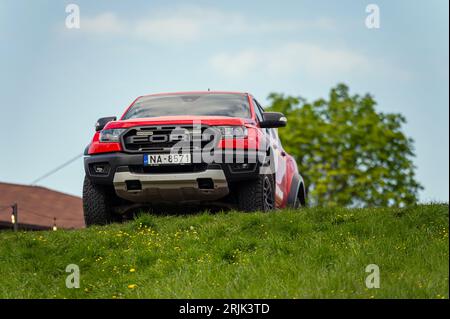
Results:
<point x="151" y="139"/>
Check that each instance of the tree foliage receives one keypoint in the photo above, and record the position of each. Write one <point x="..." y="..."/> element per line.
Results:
<point x="348" y="153"/>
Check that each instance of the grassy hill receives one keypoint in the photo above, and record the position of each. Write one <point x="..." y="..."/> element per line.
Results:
<point x="310" y="253"/>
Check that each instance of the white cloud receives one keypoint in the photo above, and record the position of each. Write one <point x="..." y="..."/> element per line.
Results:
<point x="193" y="23"/>
<point x="105" y="23"/>
<point x="237" y="65"/>
<point x="166" y="30"/>
<point x="288" y="59"/>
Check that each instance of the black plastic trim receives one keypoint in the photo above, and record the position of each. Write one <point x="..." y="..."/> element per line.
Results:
<point x="293" y="192"/>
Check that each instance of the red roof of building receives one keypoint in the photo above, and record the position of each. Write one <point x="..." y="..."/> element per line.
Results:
<point x="39" y="206"/>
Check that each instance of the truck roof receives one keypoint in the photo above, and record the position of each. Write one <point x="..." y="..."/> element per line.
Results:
<point x="195" y="92"/>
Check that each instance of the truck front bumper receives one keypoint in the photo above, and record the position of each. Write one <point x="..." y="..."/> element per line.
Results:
<point x="173" y="187"/>
<point x="197" y="182"/>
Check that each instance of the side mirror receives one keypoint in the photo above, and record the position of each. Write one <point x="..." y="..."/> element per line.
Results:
<point x="103" y="121"/>
<point x="273" y="119"/>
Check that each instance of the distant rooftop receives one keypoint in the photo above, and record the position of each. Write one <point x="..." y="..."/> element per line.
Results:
<point x="39" y="206"/>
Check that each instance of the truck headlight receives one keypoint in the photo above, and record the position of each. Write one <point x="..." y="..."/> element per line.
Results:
<point x="109" y="136"/>
<point x="233" y="131"/>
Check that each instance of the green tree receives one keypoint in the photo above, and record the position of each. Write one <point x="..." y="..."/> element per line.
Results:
<point x="348" y="153"/>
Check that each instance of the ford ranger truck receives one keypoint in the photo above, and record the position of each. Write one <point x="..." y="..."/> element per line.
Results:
<point x="189" y="148"/>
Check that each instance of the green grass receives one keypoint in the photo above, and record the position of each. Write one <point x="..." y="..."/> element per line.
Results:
<point x="310" y="253"/>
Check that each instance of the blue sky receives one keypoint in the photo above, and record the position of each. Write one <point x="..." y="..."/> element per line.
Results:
<point x="55" y="82"/>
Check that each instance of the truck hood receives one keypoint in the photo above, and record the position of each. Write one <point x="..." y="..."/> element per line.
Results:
<point x="180" y="120"/>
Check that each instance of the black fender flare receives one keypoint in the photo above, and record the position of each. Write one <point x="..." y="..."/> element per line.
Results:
<point x="86" y="149"/>
<point x="297" y="182"/>
<point x="267" y="165"/>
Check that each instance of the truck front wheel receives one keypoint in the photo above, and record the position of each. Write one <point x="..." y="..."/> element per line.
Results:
<point x="257" y="194"/>
<point x="97" y="203"/>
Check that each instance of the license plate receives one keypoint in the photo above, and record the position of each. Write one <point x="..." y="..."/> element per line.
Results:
<point x="166" y="159"/>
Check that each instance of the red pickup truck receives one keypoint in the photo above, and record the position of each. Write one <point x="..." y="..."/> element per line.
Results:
<point x="189" y="148"/>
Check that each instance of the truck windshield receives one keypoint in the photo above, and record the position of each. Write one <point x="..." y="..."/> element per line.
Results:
<point x="232" y="105"/>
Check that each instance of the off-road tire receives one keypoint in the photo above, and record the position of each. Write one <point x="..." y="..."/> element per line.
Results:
<point x="97" y="203"/>
<point x="253" y="195"/>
